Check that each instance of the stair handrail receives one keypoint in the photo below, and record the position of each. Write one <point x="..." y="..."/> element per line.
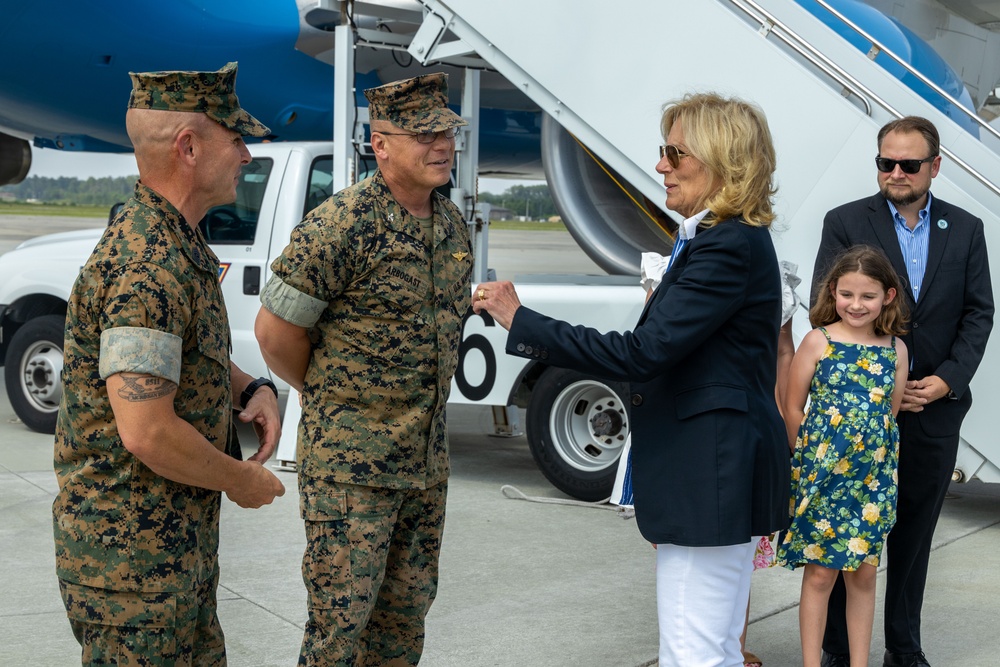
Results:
<point x="769" y="23"/>
<point x="824" y="63"/>
<point x="907" y="66"/>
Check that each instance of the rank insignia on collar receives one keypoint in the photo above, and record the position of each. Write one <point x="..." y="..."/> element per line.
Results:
<point x="459" y="255"/>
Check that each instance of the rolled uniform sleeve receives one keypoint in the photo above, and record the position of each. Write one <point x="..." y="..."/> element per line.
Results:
<point x="141" y="327"/>
<point x="290" y="304"/>
<point x="138" y="350"/>
<point x="313" y="269"/>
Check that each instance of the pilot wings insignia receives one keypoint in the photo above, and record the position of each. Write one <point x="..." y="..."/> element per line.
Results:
<point x="460" y="255"/>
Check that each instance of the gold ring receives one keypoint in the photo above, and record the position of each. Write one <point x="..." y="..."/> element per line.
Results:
<point x="482" y="295"/>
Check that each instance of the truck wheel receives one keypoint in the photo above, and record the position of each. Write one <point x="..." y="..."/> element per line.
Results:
<point x="576" y="428"/>
<point x="32" y="372"/>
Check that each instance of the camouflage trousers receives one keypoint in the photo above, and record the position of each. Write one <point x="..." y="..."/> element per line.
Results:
<point x="370" y="570"/>
<point x="123" y="629"/>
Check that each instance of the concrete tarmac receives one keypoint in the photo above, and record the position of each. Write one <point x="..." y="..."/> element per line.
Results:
<point x="17" y="228"/>
<point x="522" y="583"/>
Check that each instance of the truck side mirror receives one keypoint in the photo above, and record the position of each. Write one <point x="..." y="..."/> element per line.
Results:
<point x="114" y="210"/>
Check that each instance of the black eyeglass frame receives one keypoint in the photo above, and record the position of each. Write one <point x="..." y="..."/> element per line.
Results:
<point x="887" y="165"/>
<point x="422" y="137"/>
<point x="673" y="154"/>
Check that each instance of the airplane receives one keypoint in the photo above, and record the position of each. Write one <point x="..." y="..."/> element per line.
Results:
<point x="64" y="83"/>
<point x="70" y="92"/>
<point x="71" y="95"/>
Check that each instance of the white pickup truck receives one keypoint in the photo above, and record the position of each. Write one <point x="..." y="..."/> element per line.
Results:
<point x="576" y="425"/>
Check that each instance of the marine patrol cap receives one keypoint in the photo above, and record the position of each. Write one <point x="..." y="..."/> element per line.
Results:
<point x="210" y="93"/>
<point x="419" y="104"/>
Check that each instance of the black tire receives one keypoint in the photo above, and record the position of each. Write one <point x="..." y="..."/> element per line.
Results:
<point x="576" y="427"/>
<point x="33" y="370"/>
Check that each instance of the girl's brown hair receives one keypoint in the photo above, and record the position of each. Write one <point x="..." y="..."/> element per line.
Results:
<point x="872" y="263"/>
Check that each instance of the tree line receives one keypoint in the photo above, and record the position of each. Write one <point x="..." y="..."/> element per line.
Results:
<point x="530" y="201"/>
<point x="103" y="191"/>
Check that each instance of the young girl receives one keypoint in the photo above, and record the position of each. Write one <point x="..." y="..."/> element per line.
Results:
<point x="853" y="370"/>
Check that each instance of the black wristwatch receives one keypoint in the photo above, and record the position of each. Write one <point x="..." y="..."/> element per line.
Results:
<point x="253" y="387"/>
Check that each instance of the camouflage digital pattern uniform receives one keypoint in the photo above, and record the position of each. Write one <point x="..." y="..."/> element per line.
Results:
<point x="210" y="93"/>
<point x="383" y="298"/>
<point x="136" y="554"/>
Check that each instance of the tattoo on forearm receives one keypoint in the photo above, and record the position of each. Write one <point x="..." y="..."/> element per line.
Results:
<point x="144" y="388"/>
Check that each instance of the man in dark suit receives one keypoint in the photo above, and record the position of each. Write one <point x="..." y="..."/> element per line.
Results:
<point x="939" y="252"/>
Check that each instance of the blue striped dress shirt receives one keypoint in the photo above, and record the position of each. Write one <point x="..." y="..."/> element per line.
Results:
<point x="913" y="244"/>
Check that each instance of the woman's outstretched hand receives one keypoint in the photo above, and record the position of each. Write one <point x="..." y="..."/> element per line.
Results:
<point x="499" y="299"/>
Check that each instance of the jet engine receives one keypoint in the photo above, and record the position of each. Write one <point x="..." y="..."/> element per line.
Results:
<point x="15" y="159"/>
<point x="610" y="220"/>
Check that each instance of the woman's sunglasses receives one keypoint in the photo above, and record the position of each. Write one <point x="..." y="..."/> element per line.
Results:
<point x="673" y="154"/>
<point x="885" y="165"/>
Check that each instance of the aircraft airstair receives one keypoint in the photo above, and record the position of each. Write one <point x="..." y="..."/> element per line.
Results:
<point x="604" y="70"/>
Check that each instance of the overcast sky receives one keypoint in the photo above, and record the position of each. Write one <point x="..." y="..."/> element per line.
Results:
<point x="53" y="163"/>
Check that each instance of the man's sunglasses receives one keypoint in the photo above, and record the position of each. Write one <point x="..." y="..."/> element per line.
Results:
<point x="424" y="137"/>
<point x="885" y="165"/>
<point x="673" y="154"/>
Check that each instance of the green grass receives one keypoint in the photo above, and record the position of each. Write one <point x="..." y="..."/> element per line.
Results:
<point x="68" y="210"/>
<point x="529" y="226"/>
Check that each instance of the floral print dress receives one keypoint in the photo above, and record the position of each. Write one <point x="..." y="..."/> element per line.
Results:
<point x="844" y="467"/>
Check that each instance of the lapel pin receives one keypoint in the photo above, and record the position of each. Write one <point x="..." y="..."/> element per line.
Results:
<point x="942" y="224"/>
<point x="459" y="255"/>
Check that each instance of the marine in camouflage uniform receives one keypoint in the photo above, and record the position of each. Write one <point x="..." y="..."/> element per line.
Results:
<point x="378" y="296"/>
<point x="136" y="553"/>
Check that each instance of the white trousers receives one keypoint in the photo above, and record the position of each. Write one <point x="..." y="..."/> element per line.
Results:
<point x="701" y="603"/>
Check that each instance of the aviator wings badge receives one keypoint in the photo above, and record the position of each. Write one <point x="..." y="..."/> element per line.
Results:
<point x="460" y="255"/>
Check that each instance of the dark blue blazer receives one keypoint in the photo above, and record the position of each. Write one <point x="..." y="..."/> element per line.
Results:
<point x="952" y="320"/>
<point x="709" y="449"/>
